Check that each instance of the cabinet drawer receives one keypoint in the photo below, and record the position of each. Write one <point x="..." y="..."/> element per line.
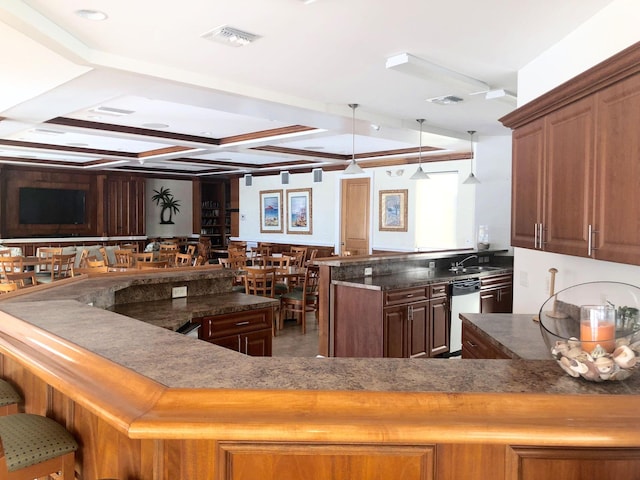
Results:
<point x="406" y="295"/>
<point x="438" y="290"/>
<point x="496" y="280"/>
<point x="235" y="323"/>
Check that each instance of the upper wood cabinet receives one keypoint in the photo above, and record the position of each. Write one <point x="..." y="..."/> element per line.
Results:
<point x="576" y="163"/>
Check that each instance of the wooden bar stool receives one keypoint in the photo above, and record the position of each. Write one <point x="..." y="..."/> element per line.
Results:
<point x="9" y="399"/>
<point x="34" y="446"/>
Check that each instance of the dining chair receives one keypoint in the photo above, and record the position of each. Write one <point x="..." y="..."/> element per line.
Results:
<point x="5" y="252"/>
<point x="94" y="263"/>
<point x="8" y="287"/>
<point x="198" y="261"/>
<point x="62" y="266"/>
<point x="183" y="260"/>
<point x="281" y="264"/>
<point x="312" y="256"/>
<point x="260" y="281"/>
<point x="296" y="258"/>
<point x="46" y="254"/>
<point x="303" y="257"/>
<point x="300" y="302"/>
<point x="82" y="259"/>
<point x="145" y="257"/>
<point x="10" y="265"/>
<point x="130" y="246"/>
<point x="259" y="254"/>
<point x="124" y="258"/>
<point x="105" y="257"/>
<point x="191" y="249"/>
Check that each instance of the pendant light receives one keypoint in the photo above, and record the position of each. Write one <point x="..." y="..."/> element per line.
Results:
<point x="353" y="168"/>
<point x="420" y="173"/>
<point x="471" y="179"/>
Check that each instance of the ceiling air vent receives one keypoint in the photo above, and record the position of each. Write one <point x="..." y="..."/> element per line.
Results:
<point x="445" y="100"/>
<point x="118" y="112"/>
<point x="230" y="36"/>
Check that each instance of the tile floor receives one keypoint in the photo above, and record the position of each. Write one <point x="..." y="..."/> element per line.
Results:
<point x="291" y="343"/>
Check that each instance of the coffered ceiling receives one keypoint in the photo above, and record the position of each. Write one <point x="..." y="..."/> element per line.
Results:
<point x="147" y="90"/>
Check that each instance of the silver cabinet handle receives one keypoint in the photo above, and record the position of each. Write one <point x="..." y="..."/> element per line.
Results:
<point x="246" y="345"/>
<point x="240" y="324"/>
<point x="535" y="235"/>
<point x="239" y="345"/>
<point x="541" y="236"/>
<point x="590" y="247"/>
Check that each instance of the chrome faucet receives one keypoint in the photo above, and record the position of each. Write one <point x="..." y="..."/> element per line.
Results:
<point x="461" y="262"/>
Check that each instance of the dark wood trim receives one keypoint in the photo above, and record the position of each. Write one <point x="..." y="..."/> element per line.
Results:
<point x="66" y="148"/>
<point x="266" y="133"/>
<point x="616" y="68"/>
<point x="164" y="151"/>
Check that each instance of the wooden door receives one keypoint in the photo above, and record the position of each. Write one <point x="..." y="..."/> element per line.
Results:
<point x="527" y="184"/>
<point x="617" y="173"/>
<point x="569" y="178"/>
<point x="354" y="216"/>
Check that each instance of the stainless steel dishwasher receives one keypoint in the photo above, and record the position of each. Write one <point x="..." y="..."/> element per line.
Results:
<point x="465" y="298"/>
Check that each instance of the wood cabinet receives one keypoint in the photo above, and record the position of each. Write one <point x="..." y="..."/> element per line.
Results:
<point x="477" y="345"/>
<point x="125" y="212"/>
<point x="496" y="293"/>
<point x="398" y="323"/>
<point x="246" y="332"/>
<point x="575" y="165"/>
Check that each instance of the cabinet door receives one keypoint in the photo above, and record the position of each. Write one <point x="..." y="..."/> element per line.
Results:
<point x="439" y="326"/>
<point x="617" y="171"/>
<point x="232" y="342"/>
<point x="395" y="331"/>
<point x="527" y="184"/>
<point x="256" y="344"/>
<point x="505" y="300"/>
<point x="568" y="196"/>
<point x="418" y="326"/>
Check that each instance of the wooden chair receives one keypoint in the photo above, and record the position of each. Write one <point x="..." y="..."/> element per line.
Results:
<point x="94" y="263"/>
<point x="34" y="446"/>
<point x="301" y="252"/>
<point x="130" y="246"/>
<point x="124" y="258"/>
<point x="8" y="287"/>
<point x="10" y="265"/>
<point x="172" y="247"/>
<point x="9" y="399"/>
<point x="105" y="257"/>
<point x="260" y="281"/>
<point x="303" y="300"/>
<point x="191" y="249"/>
<point x="312" y="256"/>
<point x="62" y="266"/>
<point x="46" y="254"/>
<point x="259" y="255"/>
<point x="139" y="258"/>
<point x="281" y="264"/>
<point x="23" y="279"/>
<point x="297" y="258"/>
<point x="5" y="252"/>
<point x="82" y="260"/>
<point x="154" y="264"/>
<point x="183" y="260"/>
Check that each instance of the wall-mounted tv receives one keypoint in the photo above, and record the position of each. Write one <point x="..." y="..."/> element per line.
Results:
<point x="51" y="206"/>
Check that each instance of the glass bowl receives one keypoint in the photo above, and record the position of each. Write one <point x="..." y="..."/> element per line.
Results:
<point x="593" y="330"/>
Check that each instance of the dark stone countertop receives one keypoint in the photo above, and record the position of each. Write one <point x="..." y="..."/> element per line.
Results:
<point x="516" y="335"/>
<point x="416" y="277"/>
<point x="173" y="313"/>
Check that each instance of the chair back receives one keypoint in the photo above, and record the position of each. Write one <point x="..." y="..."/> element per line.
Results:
<point x="23" y="279"/>
<point x="62" y="265"/>
<point x="130" y="246"/>
<point x="296" y="258"/>
<point x="105" y="257"/>
<point x="142" y="257"/>
<point x="199" y="261"/>
<point x="191" y="250"/>
<point x="303" y="252"/>
<point x="94" y="263"/>
<point x="281" y="263"/>
<point x="260" y="254"/>
<point x="10" y="265"/>
<point x="168" y="247"/>
<point x="312" y="255"/>
<point x="8" y="287"/>
<point x="260" y="281"/>
<point x="46" y="254"/>
<point x="5" y="252"/>
<point x="183" y="260"/>
<point x="124" y="258"/>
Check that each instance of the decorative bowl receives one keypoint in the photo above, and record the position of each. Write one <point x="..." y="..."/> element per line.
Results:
<point x="593" y="330"/>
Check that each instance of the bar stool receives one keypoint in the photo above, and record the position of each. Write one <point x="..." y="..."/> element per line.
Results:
<point x="9" y="399"/>
<point x="35" y="446"/>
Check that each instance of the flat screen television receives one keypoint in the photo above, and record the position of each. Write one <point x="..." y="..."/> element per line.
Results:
<point x="51" y="206"/>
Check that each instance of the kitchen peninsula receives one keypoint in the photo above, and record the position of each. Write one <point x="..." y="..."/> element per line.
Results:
<point x="148" y="403"/>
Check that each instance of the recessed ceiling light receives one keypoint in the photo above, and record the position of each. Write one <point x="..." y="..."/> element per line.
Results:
<point x="314" y="148"/>
<point x="78" y="144"/>
<point x="155" y="125"/>
<point x="118" y="112"/>
<point x="96" y="15"/>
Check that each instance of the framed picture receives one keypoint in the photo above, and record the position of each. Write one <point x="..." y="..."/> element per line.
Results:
<point x="271" y="211"/>
<point x="393" y="210"/>
<point x="299" y="213"/>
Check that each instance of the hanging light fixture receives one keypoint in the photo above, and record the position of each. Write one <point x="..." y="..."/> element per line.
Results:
<point x="420" y="173"/>
<point x="471" y="179"/>
<point x="353" y="168"/>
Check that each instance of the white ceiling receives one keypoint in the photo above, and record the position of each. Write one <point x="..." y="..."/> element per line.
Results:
<point x="203" y="108"/>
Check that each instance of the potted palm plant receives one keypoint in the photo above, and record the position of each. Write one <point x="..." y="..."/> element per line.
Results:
<point x="165" y="200"/>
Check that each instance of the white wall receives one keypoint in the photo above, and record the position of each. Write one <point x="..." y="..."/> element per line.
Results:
<point x="493" y="164"/>
<point x="607" y="33"/>
<point x="183" y="221"/>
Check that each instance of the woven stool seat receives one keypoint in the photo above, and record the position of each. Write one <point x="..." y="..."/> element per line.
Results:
<point x="30" y="439"/>
<point x="8" y="395"/>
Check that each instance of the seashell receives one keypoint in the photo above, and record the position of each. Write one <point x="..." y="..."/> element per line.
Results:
<point x="624" y="357"/>
<point x="565" y="363"/>
<point x="578" y="367"/>
<point x="573" y="342"/>
<point x="635" y="346"/>
<point x="622" y="341"/>
<point x="621" y="374"/>
<point x="604" y="365"/>
<point x="592" y="373"/>
<point x="598" y="352"/>
<point x="574" y="352"/>
<point x="559" y="349"/>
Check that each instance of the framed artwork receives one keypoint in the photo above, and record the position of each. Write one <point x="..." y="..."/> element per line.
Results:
<point x="393" y="210"/>
<point x="271" y="211"/>
<point x="299" y="211"/>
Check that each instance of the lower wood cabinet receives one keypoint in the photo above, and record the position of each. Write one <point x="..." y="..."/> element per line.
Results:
<point x="496" y="294"/>
<point x="477" y="345"/>
<point x="322" y="462"/>
<point x="416" y="322"/>
<point x="248" y="332"/>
